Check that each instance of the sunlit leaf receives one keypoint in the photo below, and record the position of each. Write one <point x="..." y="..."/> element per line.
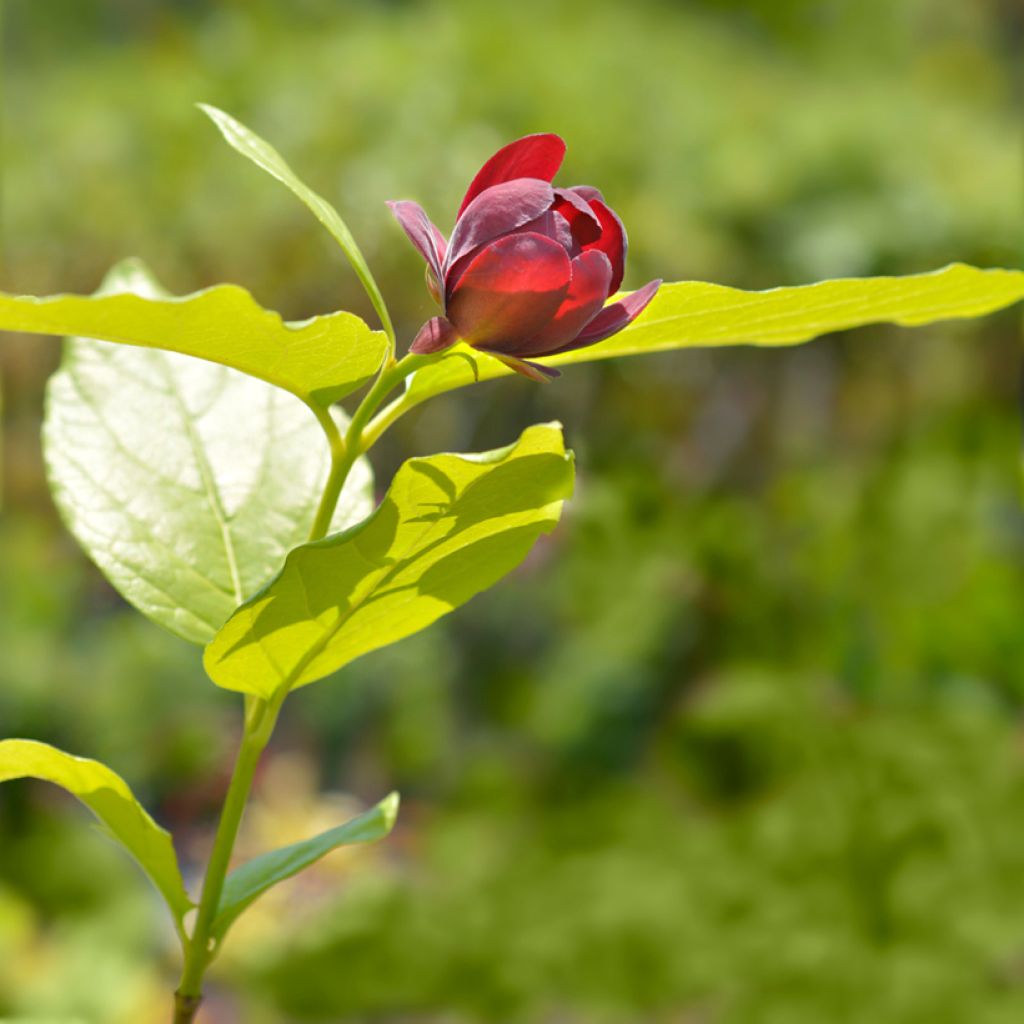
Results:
<point x="186" y="482"/>
<point x="247" y="883"/>
<point x="109" y="798"/>
<point x="261" y="153"/>
<point x="449" y="527"/>
<point x="320" y="360"/>
<point x="691" y="314"/>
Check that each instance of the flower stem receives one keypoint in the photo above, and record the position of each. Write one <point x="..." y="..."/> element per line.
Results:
<point x="345" y="451"/>
<point x="201" y="948"/>
<point x="185" y="1008"/>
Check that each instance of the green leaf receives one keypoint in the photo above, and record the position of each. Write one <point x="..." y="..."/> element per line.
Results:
<point x="109" y="798"/>
<point x="320" y="360"/>
<point x="186" y="482"/>
<point x="261" y="153"/>
<point x="247" y="883"/>
<point x="449" y="527"/>
<point x="691" y="314"/>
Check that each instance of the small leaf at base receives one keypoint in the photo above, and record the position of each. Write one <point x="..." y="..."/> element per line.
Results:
<point x="107" y="795"/>
<point x="247" y="883"/>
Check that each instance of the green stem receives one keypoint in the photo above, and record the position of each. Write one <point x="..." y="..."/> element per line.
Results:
<point x="344" y="452"/>
<point x="392" y="412"/>
<point x="185" y="1008"/>
<point x="340" y="467"/>
<point x="260" y="717"/>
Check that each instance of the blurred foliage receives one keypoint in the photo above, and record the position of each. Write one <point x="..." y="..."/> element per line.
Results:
<point x="742" y="741"/>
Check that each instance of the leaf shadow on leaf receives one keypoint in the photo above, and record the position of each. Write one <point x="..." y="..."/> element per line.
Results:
<point x="363" y="564"/>
<point x="445" y="579"/>
<point x="506" y="490"/>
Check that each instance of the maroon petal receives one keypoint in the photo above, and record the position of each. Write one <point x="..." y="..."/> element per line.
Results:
<point x="552" y="225"/>
<point x="534" y="156"/>
<point x="587" y="192"/>
<point x="584" y="222"/>
<point x="588" y="290"/>
<point x="434" y="336"/>
<point x="496" y="211"/>
<point x="427" y="239"/>
<point x="541" y="374"/>
<point x="612" y="241"/>
<point x="613" y="318"/>
<point x="509" y="291"/>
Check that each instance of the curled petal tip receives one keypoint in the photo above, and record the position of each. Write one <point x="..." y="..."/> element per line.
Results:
<point x="425" y="237"/>
<point x="526" y="368"/>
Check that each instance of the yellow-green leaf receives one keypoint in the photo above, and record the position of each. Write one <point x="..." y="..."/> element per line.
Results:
<point x="692" y="314"/>
<point x="320" y="360"/>
<point x="449" y="527"/>
<point x="105" y="794"/>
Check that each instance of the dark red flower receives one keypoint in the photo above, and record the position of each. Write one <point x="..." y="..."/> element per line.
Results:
<point x="529" y="267"/>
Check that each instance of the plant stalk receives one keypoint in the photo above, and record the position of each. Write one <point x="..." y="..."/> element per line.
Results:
<point x="260" y="717"/>
<point x="185" y="1008"/>
<point x="345" y="451"/>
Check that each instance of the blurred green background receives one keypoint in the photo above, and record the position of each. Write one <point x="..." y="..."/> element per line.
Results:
<point x="742" y="742"/>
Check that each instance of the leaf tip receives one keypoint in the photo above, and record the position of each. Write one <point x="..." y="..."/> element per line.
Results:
<point x="389" y="809"/>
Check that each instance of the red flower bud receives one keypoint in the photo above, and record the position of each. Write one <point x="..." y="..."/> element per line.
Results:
<point x="529" y="267"/>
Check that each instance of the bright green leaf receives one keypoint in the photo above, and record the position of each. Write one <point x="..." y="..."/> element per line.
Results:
<point x="261" y="153"/>
<point x="320" y="360"/>
<point x="449" y="527"/>
<point x="692" y="314"/>
<point x="110" y="799"/>
<point x="186" y="482"/>
<point x="247" y="883"/>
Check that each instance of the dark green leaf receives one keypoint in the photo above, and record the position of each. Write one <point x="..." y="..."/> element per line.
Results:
<point x="247" y="883"/>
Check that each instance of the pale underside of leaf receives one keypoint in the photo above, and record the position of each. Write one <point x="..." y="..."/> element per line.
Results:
<point x="185" y="481"/>
<point x="693" y="314"/>
<point x="449" y="527"/>
<point x="249" y="881"/>
<point x="319" y="360"/>
<point x="107" y="795"/>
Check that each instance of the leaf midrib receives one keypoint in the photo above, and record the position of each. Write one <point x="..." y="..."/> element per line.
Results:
<point x="213" y="495"/>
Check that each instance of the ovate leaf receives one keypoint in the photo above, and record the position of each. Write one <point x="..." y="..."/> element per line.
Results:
<point x="261" y="153"/>
<point x="692" y="314"/>
<point x="109" y="798"/>
<point x="186" y="482"/>
<point x="320" y="360"/>
<point x="247" y="883"/>
<point x="449" y="527"/>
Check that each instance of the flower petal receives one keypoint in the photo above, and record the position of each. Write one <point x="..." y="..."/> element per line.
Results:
<point x="613" y="318"/>
<point x="427" y="239"/>
<point x="541" y="374"/>
<point x="510" y="291"/>
<point x="496" y="211"/>
<point x="587" y="192"/>
<point x="552" y="225"/>
<point x="584" y="222"/>
<point x="612" y="241"/>
<point x="436" y="334"/>
<point x="533" y="156"/>
<point x="588" y="289"/>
